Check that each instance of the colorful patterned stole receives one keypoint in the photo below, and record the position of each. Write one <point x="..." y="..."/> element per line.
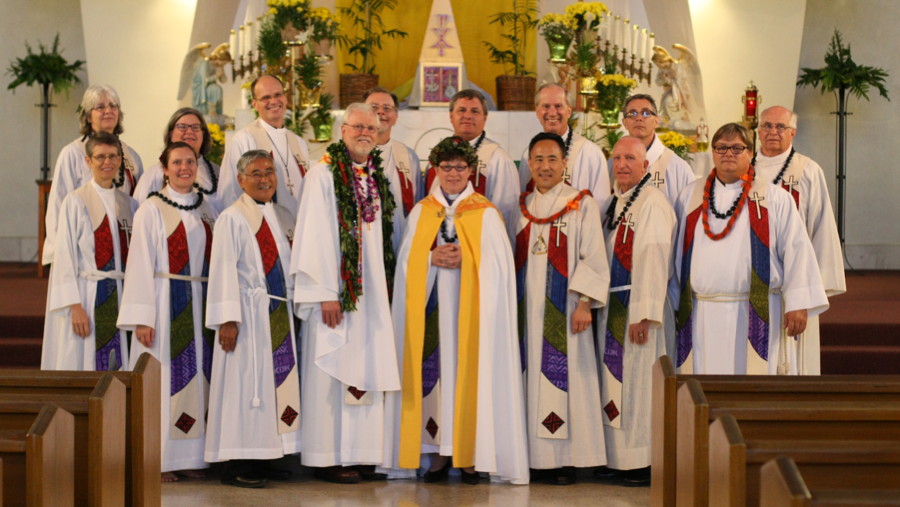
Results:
<point x="617" y="321"/>
<point x="790" y="180"/>
<point x="108" y="347"/>
<point x="284" y="359"/>
<point x="418" y="379"/>
<point x="553" y="382"/>
<point x="188" y="389"/>
<point x="758" y="322"/>
<point x="403" y="166"/>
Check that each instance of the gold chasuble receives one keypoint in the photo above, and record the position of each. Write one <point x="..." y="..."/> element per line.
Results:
<point x="468" y="222"/>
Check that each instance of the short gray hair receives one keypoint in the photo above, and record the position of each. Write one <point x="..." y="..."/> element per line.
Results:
<point x="545" y="86"/>
<point x="252" y="156"/>
<point x="359" y="107"/>
<point x="794" y="116"/>
<point x="91" y="98"/>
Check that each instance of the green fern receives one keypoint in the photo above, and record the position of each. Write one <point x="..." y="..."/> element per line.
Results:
<point x="45" y="68"/>
<point x="841" y="72"/>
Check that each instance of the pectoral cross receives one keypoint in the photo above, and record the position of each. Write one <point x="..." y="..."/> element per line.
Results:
<point x="559" y="224"/>
<point x="401" y="167"/>
<point x="566" y="176"/>
<point x="756" y="198"/>
<point x="790" y="183"/>
<point x="206" y="218"/>
<point x="482" y="165"/>
<point x="628" y="225"/>
<point x="124" y="227"/>
<point x="657" y="180"/>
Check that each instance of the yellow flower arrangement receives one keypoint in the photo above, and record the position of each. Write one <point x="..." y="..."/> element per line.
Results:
<point x="678" y="143"/>
<point x="217" y="146"/>
<point x="612" y="90"/>
<point x="555" y="26"/>
<point x="586" y="14"/>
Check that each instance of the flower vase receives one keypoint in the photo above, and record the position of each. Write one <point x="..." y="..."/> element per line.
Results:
<point x="322" y="50"/>
<point x="610" y="117"/>
<point x="322" y="132"/>
<point x="309" y="97"/>
<point x="559" y="47"/>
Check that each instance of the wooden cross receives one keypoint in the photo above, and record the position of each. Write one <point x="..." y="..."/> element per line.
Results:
<point x="657" y="180"/>
<point x="756" y="198"/>
<point x="559" y="224"/>
<point x="790" y="183"/>
<point x="124" y="227"/>
<point x="628" y="225"/>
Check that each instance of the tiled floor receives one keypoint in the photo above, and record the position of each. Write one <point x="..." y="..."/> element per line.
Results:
<point x="306" y="491"/>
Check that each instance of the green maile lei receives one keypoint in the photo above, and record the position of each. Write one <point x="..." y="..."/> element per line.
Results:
<point x="350" y="225"/>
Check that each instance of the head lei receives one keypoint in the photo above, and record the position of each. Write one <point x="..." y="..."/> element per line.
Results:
<point x="451" y="148"/>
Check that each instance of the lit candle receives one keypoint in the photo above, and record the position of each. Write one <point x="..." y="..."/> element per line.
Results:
<point x="643" y="52"/>
<point x="650" y="44"/>
<point x="232" y="43"/>
<point x="750" y="100"/>
<point x="243" y="36"/>
<point x="635" y="33"/>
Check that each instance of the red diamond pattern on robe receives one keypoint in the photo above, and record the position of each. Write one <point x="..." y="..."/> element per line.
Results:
<point x="552" y="422"/>
<point x="356" y="392"/>
<point x="611" y="410"/>
<point x="185" y="422"/>
<point x="289" y="415"/>
<point x="431" y="427"/>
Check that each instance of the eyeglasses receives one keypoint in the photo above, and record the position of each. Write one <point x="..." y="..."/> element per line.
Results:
<point x="646" y="113"/>
<point x="258" y="176"/>
<point x="386" y="108"/>
<point x="182" y="127"/>
<point x="105" y="158"/>
<point x="780" y="128"/>
<point x="458" y="168"/>
<point x="102" y="107"/>
<point x="364" y="128"/>
<point x="736" y="149"/>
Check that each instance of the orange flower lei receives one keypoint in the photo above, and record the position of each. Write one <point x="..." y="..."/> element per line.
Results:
<point x="572" y="205"/>
<point x="745" y="189"/>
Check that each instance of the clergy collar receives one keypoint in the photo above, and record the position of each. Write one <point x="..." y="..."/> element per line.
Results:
<point x="777" y="159"/>
<point x="552" y="192"/>
<point x="98" y="188"/>
<point x="736" y="184"/>
<point x="188" y="198"/>
<point x="261" y="203"/>
<point x="269" y="127"/>
<point x="439" y="195"/>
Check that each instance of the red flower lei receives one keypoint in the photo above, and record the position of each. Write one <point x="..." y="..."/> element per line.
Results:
<point x="571" y="205"/>
<point x="745" y="189"/>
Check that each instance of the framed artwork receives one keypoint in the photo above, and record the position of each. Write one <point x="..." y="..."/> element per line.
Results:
<point x="439" y="82"/>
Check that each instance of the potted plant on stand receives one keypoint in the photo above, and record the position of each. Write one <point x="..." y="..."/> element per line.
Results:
<point x="515" y="90"/>
<point x="364" y="39"/>
<point x="50" y="70"/>
<point x="842" y="75"/>
<point x="322" y="120"/>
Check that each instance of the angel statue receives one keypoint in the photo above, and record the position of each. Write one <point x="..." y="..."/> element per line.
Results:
<point x="202" y="75"/>
<point x="681" y="105"/>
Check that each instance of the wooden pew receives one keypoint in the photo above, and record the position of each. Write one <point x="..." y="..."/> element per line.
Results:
<point x="735" y="461"/>
<point x="142" y="429"/>
<point x="816" y="416"/>
<point x="39" y="460"/>
<point x="664" y="413"/>
<point x="782" y="484"/>
<point x="99" y="421"/>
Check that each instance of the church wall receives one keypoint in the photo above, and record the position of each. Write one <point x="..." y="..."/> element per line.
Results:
<point x="32" y="21"/>
<point x="873" y="181"/>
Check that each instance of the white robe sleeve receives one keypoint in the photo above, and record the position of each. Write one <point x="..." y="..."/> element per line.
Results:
<point x="802" y="284"/>
<point x="223" y="296"/>
<point x="151" y="181"/>
<point x="503" y="184"/>
<point x="655" y="231"/>
<point x="68" y="175"/>
<point x="63" y="285"/>
<point x="139" y="297"/>
<point x="591" y="274"/>
<point x="316" y="255"/>
<point x="822" y="230"/>
<point x="229" y="190"/>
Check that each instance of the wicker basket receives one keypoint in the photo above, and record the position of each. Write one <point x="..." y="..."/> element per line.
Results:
<point x="353" y="86"/>
<point x="515" y="93"/>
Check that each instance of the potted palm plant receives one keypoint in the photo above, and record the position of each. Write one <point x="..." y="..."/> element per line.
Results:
<point x="362" y="40"/>
<point x="50" y="70"/>
<point x="842" y="75"/>
<point x="515" y="89"/>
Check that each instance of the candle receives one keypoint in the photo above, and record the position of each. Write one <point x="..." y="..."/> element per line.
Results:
<point x="615" y="31"/>
<point x="750" y="101"/>
<point x="232" y="43"/>
<point x="650" y="44"/>
<point x="643" y="52"/>
<point x="635" y="34"/>
<point x="243" y="37"/>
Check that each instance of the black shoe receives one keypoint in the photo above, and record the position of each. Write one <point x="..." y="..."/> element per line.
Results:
<point x="245" y="481"/>
<point x="337" y="474"/>
<point x="563" y="476"/>
<point x="437" y="475"/>
<point x="470" y="478"/>
<point x="605" y="473"/>
<point x="637" y="477"/>
<point x="266" y="468"/>
<point x="368" y="473"/>
<point x="538" y="474"/>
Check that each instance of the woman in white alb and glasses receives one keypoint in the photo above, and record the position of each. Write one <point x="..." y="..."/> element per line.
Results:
<point x="188" y="126"/>
<point x="100" y="111"/>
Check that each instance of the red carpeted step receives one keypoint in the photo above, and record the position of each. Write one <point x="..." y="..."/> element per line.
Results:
<point x="864" y="360"/>
<point x="21" y="325"/>
<point x="20" y="352"/>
